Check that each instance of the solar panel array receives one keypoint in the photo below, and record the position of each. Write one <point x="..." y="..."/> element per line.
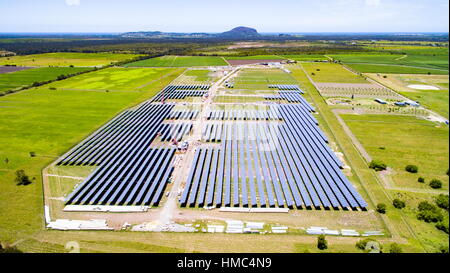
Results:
<point x="269" y="164"/>
<point x="118" y="134"/>
<point x="170" y="132"/>
<point x="245" y="114"/>
<point x="285" y="87"/>
<point x="183" y="114"/>
<point x="130" y="171"/>
<point x="182" y="91"/>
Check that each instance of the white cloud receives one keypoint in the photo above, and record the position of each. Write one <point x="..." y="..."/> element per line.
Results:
<point x="373" y="3"/>
<point x="73" y="2"/>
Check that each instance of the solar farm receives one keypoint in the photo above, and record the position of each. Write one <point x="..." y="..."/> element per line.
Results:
<point x="203" y="152"/>
<point x="270" y="154"/>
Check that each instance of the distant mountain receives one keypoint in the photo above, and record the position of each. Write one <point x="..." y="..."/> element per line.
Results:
<point x="238" y="32"/>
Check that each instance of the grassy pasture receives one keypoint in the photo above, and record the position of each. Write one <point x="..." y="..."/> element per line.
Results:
<point x="306" y="57"/>
<point x="27" y="77"/>
<point x="66" y="59"/>
<point x="436" y="100"/>
<point x="119" y="79"/>
<point x="255" y="57"/>
<point x="330" y="72"/>
<point x="179" y="61"/>
<point x="421" y="61"/>
<point x="394" y="69"/>
<point x="406" y="140"/>
<point x="199" y="75"/>
<point x="254" y="79"/>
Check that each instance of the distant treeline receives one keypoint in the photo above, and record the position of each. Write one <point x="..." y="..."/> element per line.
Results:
<point x="195" y="46"/>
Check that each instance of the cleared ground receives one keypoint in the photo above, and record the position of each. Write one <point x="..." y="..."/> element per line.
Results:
<point x="67" y="59"/>
<point x="179" y="61"/>
<point x="259" y="79"/>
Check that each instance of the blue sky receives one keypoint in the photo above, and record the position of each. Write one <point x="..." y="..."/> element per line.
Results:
<point x="218" y="16"/>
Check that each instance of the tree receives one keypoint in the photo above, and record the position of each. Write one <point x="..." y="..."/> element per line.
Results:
<point x="395" y="248"/>
<point x="442" y="226"/>
<point x="22" y="178"/>
<point x="381" y="208"/>
<point x="412" y="168"/>
<point x="368" y="245"/>
<point x="377" y="165"/>
<point x="436" y="183"/>
<point x="429" y="212"/>
<point x="322" y="242"/>
<point x="421" y="179"/>
<point x="399" y="204"/>
<point x="442" y="201"/>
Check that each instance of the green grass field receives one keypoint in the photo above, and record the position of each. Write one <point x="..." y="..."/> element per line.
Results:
<point x="67" y="59"/>
<point x="421" y="61"/>
<point x="406" y="140"/>
<point x="394" y="69"/>
<point x="255" y="57"/>
<point x="306" y="57"/>
<point x="199" y="75"/>
<point x="27" y="77"/>
<point x="255" y="79"/>
<point x="330" y="72"/>
<point x="118" y="79"/>
<point x="179" y="61"/>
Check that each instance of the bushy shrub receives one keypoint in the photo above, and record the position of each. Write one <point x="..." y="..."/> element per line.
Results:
<point x="442" y="201"/>
<point x="412" y="168"/>
<point x="436" y="183"/>
<point x="442" y="226"/>
<point x="429" y="212"/>
<point x="381" y="208"/>
<point x="322" y="242"/>
<point x="421" y="180"/>
<point x="362" y="244"/>
<point x="395" y="248"/>
<point x="377" y="165"/>
<point x="399" y="204"/>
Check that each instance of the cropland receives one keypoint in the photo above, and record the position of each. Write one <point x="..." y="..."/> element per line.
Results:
<point x="179" y="61"/>
<point x="171" y="153"/>
<point x="67" y="59"/>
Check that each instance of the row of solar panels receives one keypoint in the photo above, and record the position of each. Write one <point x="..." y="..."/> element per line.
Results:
<point x="285" y="87"/>
<point x="135" y="176"/>
<point x="178" y="95"/>
<point x="118" y="134"/>
<point x="212" y="132"/>
<point x="245" y="114"/>
<point x="183" y="114"/>
<point x="290" y="163"/>
<point x="187" y="87"/>
<point x="169" y="132"/>
<point x="288" y="96"/>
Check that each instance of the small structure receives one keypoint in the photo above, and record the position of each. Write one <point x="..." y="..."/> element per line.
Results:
<point x="400" y="103"/>
<point x="380" y="101"/>
<point x="412" y="103"/>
